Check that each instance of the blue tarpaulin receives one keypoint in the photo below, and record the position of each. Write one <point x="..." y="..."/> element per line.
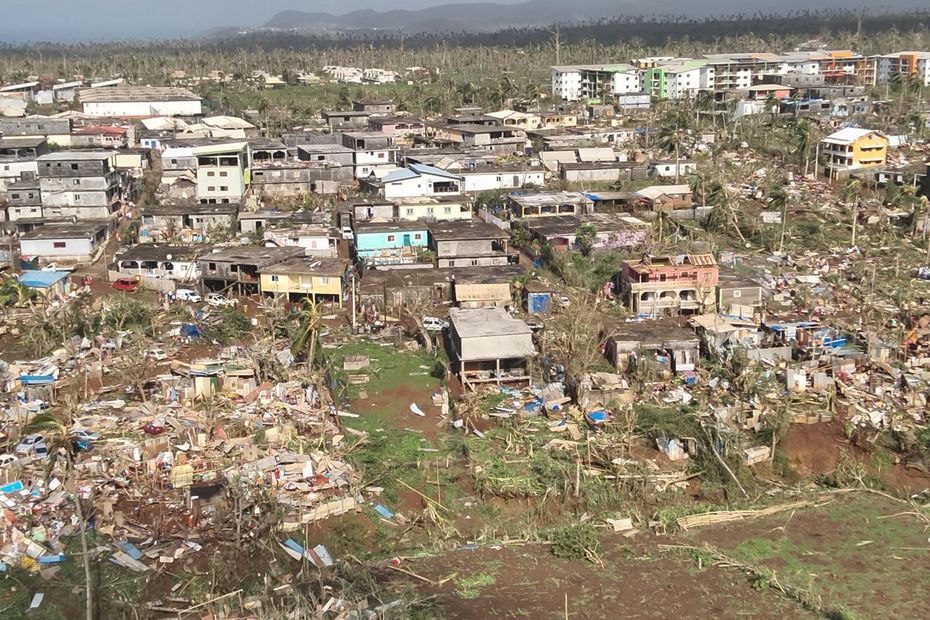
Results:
<point x="12" y="487"/>
<point x="130" y="550"/>
<point x="189" y="330"/>
<point x="36" y="379"/>
<point x="384" y="512"/>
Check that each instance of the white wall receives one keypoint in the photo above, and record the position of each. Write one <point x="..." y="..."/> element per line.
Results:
<point x="144" y="108"/>
<point x="10" y="171"/>
<point x="483" y="181"/>
<point x="74" y="249"/>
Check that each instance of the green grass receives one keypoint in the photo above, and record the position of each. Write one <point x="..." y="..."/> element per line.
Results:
<point x="470" y="587"/>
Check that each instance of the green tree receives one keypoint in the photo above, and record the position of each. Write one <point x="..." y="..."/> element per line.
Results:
<point x="585" y="236"/>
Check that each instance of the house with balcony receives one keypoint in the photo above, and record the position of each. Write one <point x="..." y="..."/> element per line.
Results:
<point x="546" y="204"/>
<point x="168" y="262"/>
<point x="320" y="279"/>
<point x="390" y="243"/>
<point x="238" y="269"/>
<point x="851" y="149"/>
<point x="471" y="243"/>
<point x="669" y="285"/>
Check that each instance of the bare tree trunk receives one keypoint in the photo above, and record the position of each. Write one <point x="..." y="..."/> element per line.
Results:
<point x="85" y="556"/>
<point x="784" y="227"/>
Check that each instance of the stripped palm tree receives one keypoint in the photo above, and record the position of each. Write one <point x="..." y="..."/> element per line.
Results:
<point x="307" y="337"/>
<point x="55" y="429"/>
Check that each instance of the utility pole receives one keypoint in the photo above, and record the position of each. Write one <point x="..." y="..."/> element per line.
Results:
<point x="855" y="222"/>
<point x="354" y="326"/>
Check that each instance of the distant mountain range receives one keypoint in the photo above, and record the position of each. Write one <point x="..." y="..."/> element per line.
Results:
<point x="488" y="16"/>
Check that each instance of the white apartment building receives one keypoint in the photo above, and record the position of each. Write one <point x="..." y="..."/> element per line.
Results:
<point x="577" y="82"/>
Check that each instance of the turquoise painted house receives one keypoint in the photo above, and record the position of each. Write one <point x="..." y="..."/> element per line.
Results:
<point x="390" y="243"/>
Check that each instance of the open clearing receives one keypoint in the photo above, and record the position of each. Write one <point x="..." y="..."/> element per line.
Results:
<point x="855" y="554"/>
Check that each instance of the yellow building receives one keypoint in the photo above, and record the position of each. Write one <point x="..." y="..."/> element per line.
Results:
<point x="853" y="148"/>
<point x="430" y="208"/>
<point x="557" y="120"/>
<point x="320" y="279"/>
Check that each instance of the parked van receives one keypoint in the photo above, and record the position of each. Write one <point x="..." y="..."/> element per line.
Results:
<point x="185" y="294"/>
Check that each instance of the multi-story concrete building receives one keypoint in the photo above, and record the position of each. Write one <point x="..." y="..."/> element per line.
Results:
<point x="594" y="82"/>
<point x="656" y="285"/>
<point x="222" y="172"/>
<point x="904" y="64"/>
<point x="80" y="184"/>
<point x="853" y="148"/>
<point x="18" y="158"/>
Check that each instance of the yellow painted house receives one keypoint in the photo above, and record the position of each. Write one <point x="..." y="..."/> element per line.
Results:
<point x="852" y="148"/>
<point x="320" y="279"/>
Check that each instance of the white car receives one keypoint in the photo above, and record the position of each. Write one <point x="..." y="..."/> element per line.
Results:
<point x="219" y="301"/>
<point x="347" y="233"/>
<point x="29" y="444"/>
<point x="432" y="324"/>
<point x="186" y="294"/>
<point x="565" y="301"/>
<point x="7" y="459"/>
<point x="84" y="434"/>
<point x="157" y="354"/>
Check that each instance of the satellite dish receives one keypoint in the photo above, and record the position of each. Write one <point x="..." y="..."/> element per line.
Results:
<point x="168" y="257"/>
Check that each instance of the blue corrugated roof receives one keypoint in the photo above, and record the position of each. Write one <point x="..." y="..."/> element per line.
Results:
<point x="439" y="172"/>
<point x="42" y="279"/>
<point x="399" y="175"/>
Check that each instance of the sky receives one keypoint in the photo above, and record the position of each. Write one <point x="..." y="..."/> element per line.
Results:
<point x="81" y="20"/>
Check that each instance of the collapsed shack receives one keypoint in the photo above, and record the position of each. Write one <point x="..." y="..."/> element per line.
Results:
<point x="662" y="345"/>
<point x="209" y="456"/>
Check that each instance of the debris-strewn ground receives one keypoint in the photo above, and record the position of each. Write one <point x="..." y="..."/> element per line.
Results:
<point x="856" y="555"/>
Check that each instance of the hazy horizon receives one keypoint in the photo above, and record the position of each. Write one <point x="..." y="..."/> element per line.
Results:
<point x="94" y="20"/>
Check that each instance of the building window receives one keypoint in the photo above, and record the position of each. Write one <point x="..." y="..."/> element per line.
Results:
<point x="474" y="263"/>
<point x="390" y="238"/>
<point x="418" y="236"/>
<point x="409" y="211"/>
<point x="224" y="188"/>
<point x="274" y="278"/>
<point x="447" y="210"/>
<point x="211" y="188"/>
<point x="324" y="281"/>
<point x="737" y="294"/>
<point x="59" y="244"/>
<point x="14" y="196"/>
<point x="74" y="166"/>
